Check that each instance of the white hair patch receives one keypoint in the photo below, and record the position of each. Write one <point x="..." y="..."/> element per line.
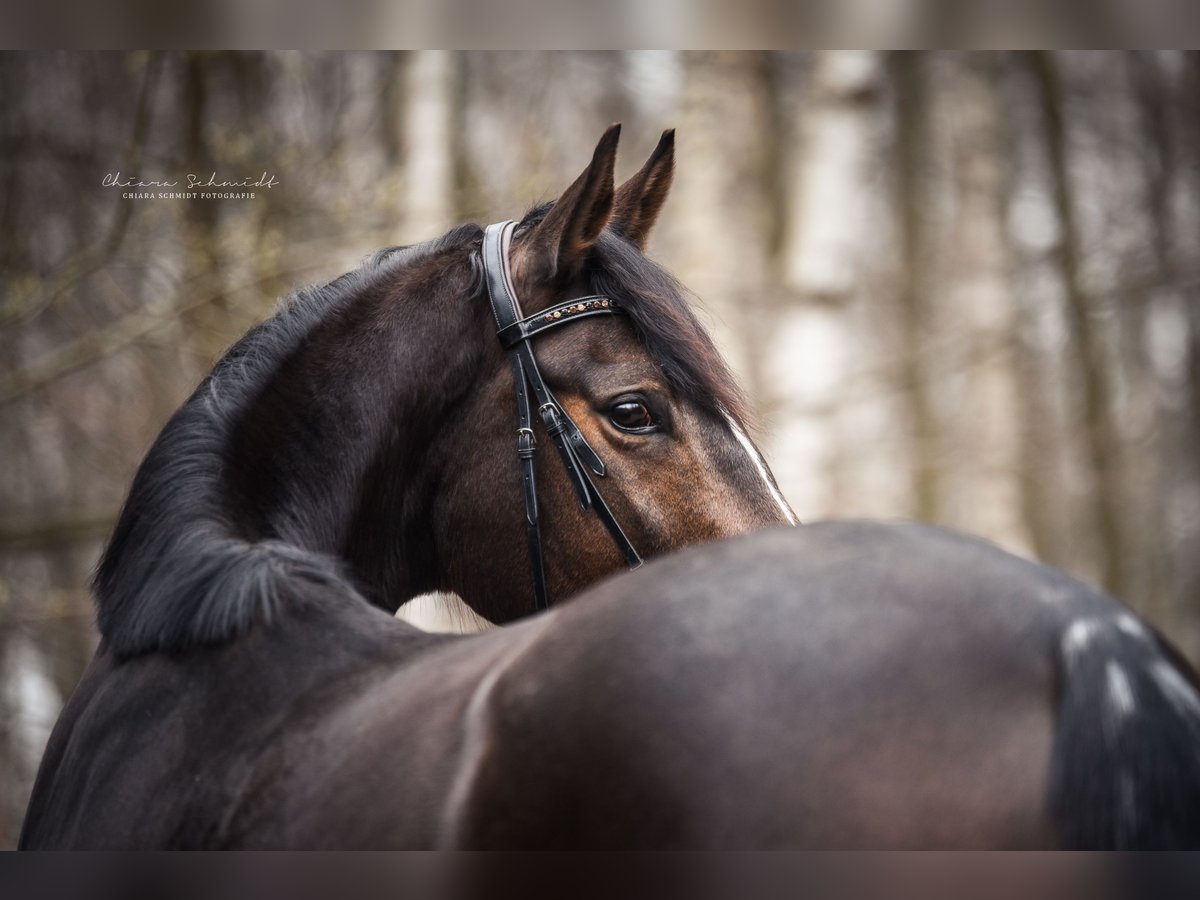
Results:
<point x="761" y="467"/>
<point x="1132" y="627"/>
<point x="1120" y="690"/>
<point x="1079" y="636"/>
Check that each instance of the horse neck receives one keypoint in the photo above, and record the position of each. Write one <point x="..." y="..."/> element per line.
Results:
<point x="332" y="457"/>
<point x="245" y="504"/>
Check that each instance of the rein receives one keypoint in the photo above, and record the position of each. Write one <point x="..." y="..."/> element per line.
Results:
<point x="580" y="460"/>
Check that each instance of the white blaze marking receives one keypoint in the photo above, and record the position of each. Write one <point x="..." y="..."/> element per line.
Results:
<point x="761" y="466"/>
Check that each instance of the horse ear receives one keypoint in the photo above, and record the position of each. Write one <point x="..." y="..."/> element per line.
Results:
<point x="640" y="199"/>
<point x="561" y="241"/>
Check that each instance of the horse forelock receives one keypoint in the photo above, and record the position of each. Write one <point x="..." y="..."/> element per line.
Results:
<point x="665" y="319"/>
<point x="666" y="322"/>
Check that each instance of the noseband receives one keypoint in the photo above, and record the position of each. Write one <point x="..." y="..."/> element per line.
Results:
<point x="516" y="335"/>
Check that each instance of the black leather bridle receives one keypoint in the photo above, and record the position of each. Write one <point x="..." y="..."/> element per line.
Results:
<point x="516" y="335"/>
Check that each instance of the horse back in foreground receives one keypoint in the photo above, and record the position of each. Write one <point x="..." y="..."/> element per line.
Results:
<point x="840" y="685"/>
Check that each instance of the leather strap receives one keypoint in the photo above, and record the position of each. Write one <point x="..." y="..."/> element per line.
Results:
<point x="564" y="313"/>
<point x="504" y="307"/>
<point x="578" y="457"/>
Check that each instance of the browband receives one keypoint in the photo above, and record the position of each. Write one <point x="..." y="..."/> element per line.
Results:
<point x="570" y="311"/>
<point x="515" y="334"/>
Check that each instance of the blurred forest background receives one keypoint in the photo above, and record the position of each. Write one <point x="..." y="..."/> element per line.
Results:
<point x="961" y="287"/>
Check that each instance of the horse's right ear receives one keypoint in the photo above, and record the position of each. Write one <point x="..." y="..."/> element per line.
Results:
<point x="558" y="245"/>
<point x="640" y="199"/>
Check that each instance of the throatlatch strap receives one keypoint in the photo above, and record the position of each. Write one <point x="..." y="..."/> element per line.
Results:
<point x="577" y="455"/>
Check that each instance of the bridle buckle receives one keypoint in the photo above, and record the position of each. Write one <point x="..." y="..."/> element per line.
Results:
<point x="515" y="336"/>
<point x="526" y="442"/>
<point x="551" y="418"/>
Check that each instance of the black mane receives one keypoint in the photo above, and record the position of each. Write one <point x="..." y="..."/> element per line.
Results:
<point x="176" y="572"/>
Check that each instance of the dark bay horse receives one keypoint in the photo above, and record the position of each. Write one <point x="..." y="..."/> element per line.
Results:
<point x="842" y="685"/>
<point x="837" y="685"/>
<point x="363" y="439"/>
<point x="358" y="449"/>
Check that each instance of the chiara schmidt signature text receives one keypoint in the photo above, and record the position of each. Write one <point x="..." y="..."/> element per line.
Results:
<point x="191" y="182"/>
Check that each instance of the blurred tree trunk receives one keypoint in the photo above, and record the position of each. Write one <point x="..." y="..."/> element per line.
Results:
<point x="829" y="152"/>
<point x="14" y="255"/>
<point x="1157" y="473"/>
<point x="206" y="326"/>
<point x="1101" y="440"/>
<point x="393" y="104"/>
<point x="429" y="161"/>
<point x="1187" y="500"/>
<point x="1192" y="90"/>
<point x="832" y="154"/>
<point x="983" y="492"/>
<point x="719" y="195"/>
<point x="912" y="158"/>
<point x="1037" y="486"/>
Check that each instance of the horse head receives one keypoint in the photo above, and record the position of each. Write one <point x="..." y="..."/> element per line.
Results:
<point x="361" y="442"/>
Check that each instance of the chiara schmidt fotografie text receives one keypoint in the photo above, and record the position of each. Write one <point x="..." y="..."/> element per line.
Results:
<point x="190" y="187"/>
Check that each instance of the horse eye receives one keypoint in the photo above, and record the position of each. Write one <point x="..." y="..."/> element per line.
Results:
<point x="632" y="415"/>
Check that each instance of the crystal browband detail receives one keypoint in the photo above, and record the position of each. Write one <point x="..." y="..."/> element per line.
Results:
<point x="568" y="311"/>
<point x="579" y="308"/>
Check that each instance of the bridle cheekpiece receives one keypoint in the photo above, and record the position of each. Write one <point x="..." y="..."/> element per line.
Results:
<point x="579" y="459"/>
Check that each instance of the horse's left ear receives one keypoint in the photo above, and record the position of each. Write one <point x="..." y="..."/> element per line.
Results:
<point x="640" y="199"/>
<point x="559" y="244"/>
